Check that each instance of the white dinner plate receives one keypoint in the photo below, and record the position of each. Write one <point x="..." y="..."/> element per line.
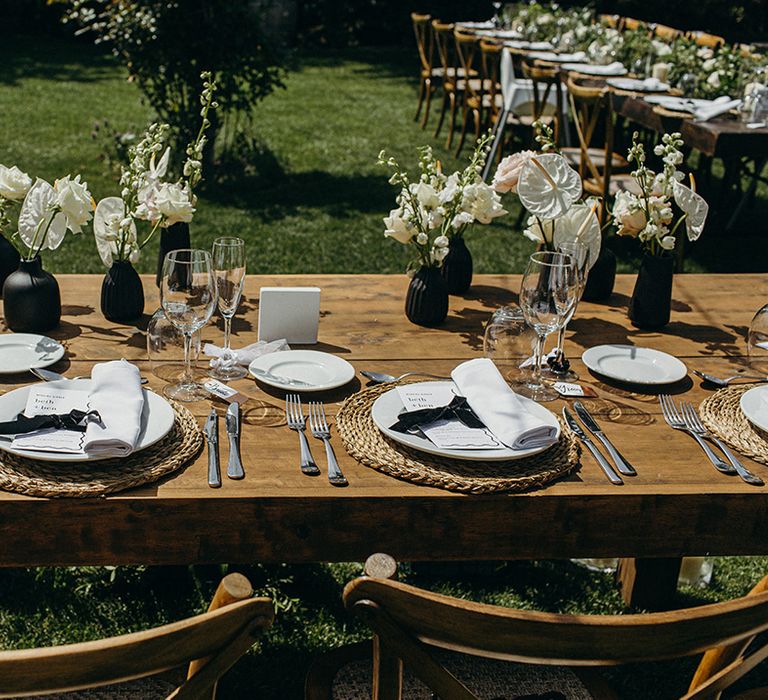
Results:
<point x="388" y="406"/>
<point x="634" y="365"/>
<point x="635" y="85"/>
<point x="320" y="371"/>
<point x="21" y="352"/>
<point x="156" y="420"/>
<point x="594" y="69"/>
<point x="754" y="405"/>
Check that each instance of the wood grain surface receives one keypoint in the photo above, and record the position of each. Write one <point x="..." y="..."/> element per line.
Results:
<point x="678" y="504"/>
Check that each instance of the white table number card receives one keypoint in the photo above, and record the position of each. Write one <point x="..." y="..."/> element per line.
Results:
<point x="44" y="400"/>
<point x="292" y="313"/>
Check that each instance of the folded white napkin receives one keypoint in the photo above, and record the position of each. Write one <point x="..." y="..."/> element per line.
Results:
<point x="500" y="409"/>
<point x="117" y="395"/>
<point x="717" y="107"/>
<point x="615" y="68"/>
<point x="244" y="356"/>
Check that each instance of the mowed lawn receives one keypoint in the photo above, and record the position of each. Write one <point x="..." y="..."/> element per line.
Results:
<point x="312" y="201"/>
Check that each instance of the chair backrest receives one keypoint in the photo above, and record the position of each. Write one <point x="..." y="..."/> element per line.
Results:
<point x="409" y="622"/>
<point x="422" y="29"/>
<point x="442" y="33"/>
<point x="212" y="641"/>
<point x="611" y="21"/>
<point x="545" y="82"/>
<point x="703" y="39"/>
<point x="490" y="71"/>
<point x="666" y="33"/>
<point x="633" y="24"/>
<point x="467" y="46"/>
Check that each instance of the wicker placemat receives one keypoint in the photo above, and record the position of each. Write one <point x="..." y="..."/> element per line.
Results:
<point x="81" y="479"/>
<point x="722" y="415"/>
<point x="363" y="440"/>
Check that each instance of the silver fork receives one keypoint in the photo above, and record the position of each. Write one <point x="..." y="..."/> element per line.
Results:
<point x="321" y="430"/>
<point x="675" y="420"/>
<point x="694" y="423"/>
<point x="294" y="416"/>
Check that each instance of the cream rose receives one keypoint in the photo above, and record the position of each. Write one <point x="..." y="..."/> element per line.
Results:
<point x="508" y="173"/>
<point x="397" y="227"/>
<point x="482" y="203"/>
<point x="74" y="201"/>
<point x="174" y="202"/>
<point x="629" y="214"/>
<point x="14" y="184"/>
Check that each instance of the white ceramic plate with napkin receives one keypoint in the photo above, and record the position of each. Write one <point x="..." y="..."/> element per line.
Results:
<point x="388" y="406"/>
<point x="634" y="365"/>
<point x="318" y="371"/>
<point x="552" y="57"/>
<point x="634" y="85"/>
<point x="21" y="352"/>
<point x="156" y="420"/>
<point x="614" y="68"/>
<point x="754" y="405"/>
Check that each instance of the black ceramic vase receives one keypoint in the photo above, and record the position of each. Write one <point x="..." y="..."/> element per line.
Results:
<point x="122" y="296"/>
<point x="31" y="299"/>
<point x="427" y="301"/>
<point x="601" y="277"/>
<point x="651" y="300"/>
<point x="9" y="260"/>
<point x="174" y="237"/>
<point x="457" y="267"/>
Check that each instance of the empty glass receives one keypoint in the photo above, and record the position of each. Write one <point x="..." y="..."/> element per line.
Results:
<point x="228" y="256"/>
<point x="547" y="296"/>
<point x="757" y="342"/>
<point x="165" y="348"/>
<point x="509" y="341"/>
<point x="188" y="297"/>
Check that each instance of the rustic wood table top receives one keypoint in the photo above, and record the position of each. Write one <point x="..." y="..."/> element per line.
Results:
<point x="678" y="504"/>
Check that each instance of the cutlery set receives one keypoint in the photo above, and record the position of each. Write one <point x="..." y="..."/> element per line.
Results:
<point x="211" y="431"/>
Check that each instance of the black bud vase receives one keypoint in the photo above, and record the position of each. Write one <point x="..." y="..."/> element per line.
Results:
<point x="426" y="303"/>
<point x="457" y="267"/>
<point x="601" y="277"/>
<point x="174" y="237"/>
<point x="122" y="296"/>
<point x="9" y="260"/>
<point x="651" y="300"/>
<point x="31" y="299"/>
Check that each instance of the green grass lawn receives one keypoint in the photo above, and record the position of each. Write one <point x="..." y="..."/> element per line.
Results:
<point x="313" y="203"/>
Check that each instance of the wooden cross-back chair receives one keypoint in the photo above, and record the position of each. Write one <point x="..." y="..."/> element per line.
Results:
<point x="666" y="33"/>
<point x="545" y="81"/>
<point x="209" y="643"/>
<point x="633" y="24"/>
<point x="593" y="120"/>
<point x="453" y="78"/>
<point x="422" y="29"/>
<point x="429" y="634"/>
<point x="467" y="50"/>
<point x="712" y="41"/>
<point x="611" y="21"/>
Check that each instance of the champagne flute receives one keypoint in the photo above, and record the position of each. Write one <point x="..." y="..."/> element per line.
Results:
<point x="560" y="370"/>
<point x="547" y="297"/>
<point x="228" y="256"/>
<point x="188" y="297"/>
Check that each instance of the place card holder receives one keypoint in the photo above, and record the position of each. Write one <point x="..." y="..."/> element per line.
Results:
<point x="292" y="313"/>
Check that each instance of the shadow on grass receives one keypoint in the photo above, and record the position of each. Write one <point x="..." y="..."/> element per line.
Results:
<point x="377" y="62"/>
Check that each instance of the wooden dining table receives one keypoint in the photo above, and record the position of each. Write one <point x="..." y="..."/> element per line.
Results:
<point x="676" y="505"/>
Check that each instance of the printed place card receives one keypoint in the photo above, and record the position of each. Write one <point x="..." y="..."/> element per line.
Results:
<point x="45" y="400"/>
<point x="454" y="435"/>
<point x="416" y="397"/>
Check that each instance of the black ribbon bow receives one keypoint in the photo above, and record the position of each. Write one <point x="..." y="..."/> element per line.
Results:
<point x="74" y="420"/>
<point x="409" y="421"/>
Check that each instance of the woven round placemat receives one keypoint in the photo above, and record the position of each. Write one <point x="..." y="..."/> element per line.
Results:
<point x="365" y="442"/>
<point x="81" y="479"/>
<point x="722" y="415"/>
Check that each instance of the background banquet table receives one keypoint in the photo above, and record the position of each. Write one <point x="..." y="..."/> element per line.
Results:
<point x="677" y="505"/>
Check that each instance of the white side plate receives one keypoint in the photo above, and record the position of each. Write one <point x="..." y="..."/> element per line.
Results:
<point x="319" y="370"/>
<point x="754" y="405"/>
<point x="21" y="352"/>
<point x="634" y="365"/>
<point x="156" y="421"/>
<point x="388" y="406"/>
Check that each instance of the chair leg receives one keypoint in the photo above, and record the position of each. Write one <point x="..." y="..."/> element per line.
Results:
<point x="422" y="86"/>
<point x="443" y="110"/>
<point x="463" y="130"/>
<point x="453" y="121"/>
<point x="430" y="90"/>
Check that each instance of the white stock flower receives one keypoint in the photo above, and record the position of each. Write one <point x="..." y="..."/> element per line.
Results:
<point x="709" y="64"/>
<point x="461" y="219"/>
<point x="482" y="203"/>
<point x="714" y="79"/>
<point x="425" y="195"/>
<point x="438" y="253"/>
<point x="14" y="184"/>
<point x="397" y="227"/>
<point x="74" y="201"/>
<point x="667" y="242"/>
<point x="422" y="238"/>
<point x="629" y="214"/>
<point x="705" y="53"/>
<point x="451" y="189"/>
<point x="442" y="241"/>
<point x="661" y="48"/>
<point x="660" y="210"/>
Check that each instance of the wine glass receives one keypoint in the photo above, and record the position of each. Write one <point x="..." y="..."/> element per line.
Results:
<point x="188" y="297"/>
<point x="560" y="369"/>
<point x="547" y="296"/>
<point x="228" y="257"/>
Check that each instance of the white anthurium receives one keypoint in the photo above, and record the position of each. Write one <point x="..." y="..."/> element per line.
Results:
<point x="580" y="225"/>
<point x="548" y="186"/>
<point x="694" y="206"/>
<point x="107" y="223"/>
<point x="40" y="207"/>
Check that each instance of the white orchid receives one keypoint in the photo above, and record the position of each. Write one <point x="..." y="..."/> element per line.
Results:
<point x="548" y="186"/>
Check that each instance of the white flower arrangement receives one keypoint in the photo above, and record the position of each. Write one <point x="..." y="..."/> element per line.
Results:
<point x="436" y="208"/>
<point x="649" y="216"/>
<point x="145" y="195"/>
<point x="46" y="212"/>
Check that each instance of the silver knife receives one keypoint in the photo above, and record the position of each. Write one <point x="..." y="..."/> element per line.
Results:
<point x="277" y="378"/>
<point x="613" y="477"/>
<point x="211" y="431"/>
<point x="234" y="465"/>
<point x="621" y="463"/>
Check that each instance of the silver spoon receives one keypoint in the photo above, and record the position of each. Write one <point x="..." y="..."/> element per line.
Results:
<point x="725" y="382"/>
<point x="381" y="378"/>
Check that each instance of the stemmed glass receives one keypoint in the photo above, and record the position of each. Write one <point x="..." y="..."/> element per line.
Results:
<point x="582" y="260"/>
<point x="229" y="270"/>
<point x="496" y="15"/>
<point x="547" y="297"/>
<point x="188" y="297"/>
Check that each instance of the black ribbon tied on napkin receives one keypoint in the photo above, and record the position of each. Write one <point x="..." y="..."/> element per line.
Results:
<point x="409" y="421"/>
<point x="74" y="420"/>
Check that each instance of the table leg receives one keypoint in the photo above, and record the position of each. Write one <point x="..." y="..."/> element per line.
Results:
<point x="649" y="584"/>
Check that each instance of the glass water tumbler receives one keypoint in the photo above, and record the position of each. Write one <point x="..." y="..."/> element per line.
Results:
<point x="509" y="341"/>
<point x="757" y="341"/>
